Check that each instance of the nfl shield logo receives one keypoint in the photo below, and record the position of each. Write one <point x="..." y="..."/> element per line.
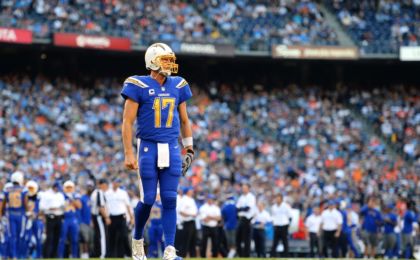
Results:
<point x="151" y="92"/>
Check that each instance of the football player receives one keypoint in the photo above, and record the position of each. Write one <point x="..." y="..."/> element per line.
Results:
<point x="16" y="201"/>
<point x="158" y="102"/>
<point x="71" y="220"/>
<point x="4" y="226"/>
<point x="34" y="225"/>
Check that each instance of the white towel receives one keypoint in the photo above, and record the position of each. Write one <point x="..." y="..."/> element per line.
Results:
<point x="163" y="155"/>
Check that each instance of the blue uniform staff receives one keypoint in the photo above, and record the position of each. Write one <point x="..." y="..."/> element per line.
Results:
<point x="390" y="237"/>
<point x="349" y="225"/>
<point x="407" y="239"/>
<point x="372" y="220"/>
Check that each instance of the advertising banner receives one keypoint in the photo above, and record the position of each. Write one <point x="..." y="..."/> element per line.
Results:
<point x="410" y="53"/>
<point x="226" y="50"/>
<point x="92" y="42"/>
<point x="12" y="35"/>
<point x="315" y="52"/>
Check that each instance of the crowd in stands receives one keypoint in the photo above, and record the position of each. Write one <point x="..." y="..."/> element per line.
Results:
<point x="142" y="21"/>
<point x="380" y="26"/>
<point x="396" y="112"/>
<point x="376" y="26"/>
<point x="305" y="143"/>
<point x="256" y="25"/>
<point x="251" y="25"/>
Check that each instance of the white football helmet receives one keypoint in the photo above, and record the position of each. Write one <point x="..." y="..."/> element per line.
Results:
<point x="69" y="184"/>
<point x="17" y="177"/>
<point x="7" y="186"/>
<point x="161" y="58"/>
<point x="32" y="187"/>
<point x="68" y="187"/>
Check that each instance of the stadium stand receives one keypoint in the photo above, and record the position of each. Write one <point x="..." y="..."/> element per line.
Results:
<point x="256" y="25"/>
<point x="395" y="111"/>
<point x="375" y="26"/>
<point x="249" y="24"/>
<point x="332" y="129"/>
<point x="142" y="21"/>
<point x="308" y="142"/>
<point x="379" y="26"/>
<point x="64" y="131"/>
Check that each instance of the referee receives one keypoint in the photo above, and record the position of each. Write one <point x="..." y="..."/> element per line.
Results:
<point x="100" y="219"/>
<point x="246" y="210"/>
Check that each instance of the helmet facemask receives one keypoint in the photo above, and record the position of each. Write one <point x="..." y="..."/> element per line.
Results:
<point x="166" y="64"/>
<point x="69" y="189"/>
<point x="32" y="190"/>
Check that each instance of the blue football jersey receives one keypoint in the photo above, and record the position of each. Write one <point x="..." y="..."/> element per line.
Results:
<point x="158" y="117"/>
<point x="33" y="203"/>
<point x="69" y="210"/>
<point x="15" y="198"/>
<point x="156" y="214"/>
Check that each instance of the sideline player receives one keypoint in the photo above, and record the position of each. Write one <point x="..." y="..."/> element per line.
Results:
<point x="34" y="225"/>
<point x="158" y="102"/>
<point x="4" y="226"/>
<point x="16" y="199"/>
<point x="71" y="221"/>
<point x="155" y="229"/>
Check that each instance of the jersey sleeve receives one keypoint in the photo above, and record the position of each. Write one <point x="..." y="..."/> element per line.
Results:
<point x="132" y="89"/>
<point x="364" y="210"/>
<point x="184" y="90"/>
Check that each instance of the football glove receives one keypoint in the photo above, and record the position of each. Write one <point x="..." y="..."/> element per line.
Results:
<point x="187" y="161"/>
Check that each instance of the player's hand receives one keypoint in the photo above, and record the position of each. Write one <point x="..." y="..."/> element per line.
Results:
<point x="187" y="161"/>
<point x="130" y="162"/>
<point x="131" y="222"/>
<point x="107" y="221"/>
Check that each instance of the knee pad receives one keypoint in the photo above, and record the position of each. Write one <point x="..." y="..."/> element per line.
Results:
<point x="149" y="198"/>
<point x="168" y="199"/>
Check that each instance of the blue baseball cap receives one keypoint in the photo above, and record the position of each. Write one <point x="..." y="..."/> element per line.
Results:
<point x="211" y="197"/>
<point x="187" y="189"/>
<point x="230" y="196"/>
<point x="103" y="181"/>
<point x="117" y="180"/>
<point x="331" y="203"/>
<point x="56" y="185"/>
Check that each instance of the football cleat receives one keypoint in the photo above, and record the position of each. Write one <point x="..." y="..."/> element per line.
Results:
<point x="138" y="249"/>
<point x="170" y="254"/>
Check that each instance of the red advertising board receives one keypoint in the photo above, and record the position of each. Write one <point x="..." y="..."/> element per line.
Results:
<point x="92" y="42"/>
<point x="12" y="35"/>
